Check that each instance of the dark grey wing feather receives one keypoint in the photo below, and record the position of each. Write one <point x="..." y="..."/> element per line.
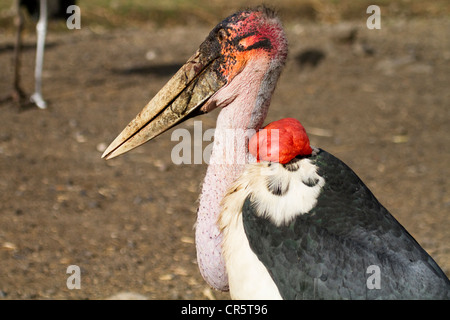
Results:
<point x="326" y="253"/>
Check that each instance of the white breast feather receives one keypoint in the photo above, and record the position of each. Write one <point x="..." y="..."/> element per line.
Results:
<point x="248" y="278"/>
<point x="299" y="197"/>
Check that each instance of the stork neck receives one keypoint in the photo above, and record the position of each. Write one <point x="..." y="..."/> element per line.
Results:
<point x="250" y="93"/>
<point x="219" y="176"/>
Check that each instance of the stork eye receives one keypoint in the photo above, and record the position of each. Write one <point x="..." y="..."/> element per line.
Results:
<point x="255" y="42"/>
<point x="221" y="34"/>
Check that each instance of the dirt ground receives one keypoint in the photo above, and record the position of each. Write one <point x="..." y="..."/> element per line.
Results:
<point x="377" y="99"/>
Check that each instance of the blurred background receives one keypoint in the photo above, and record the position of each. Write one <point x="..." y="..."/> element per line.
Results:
<point x="377" y="99"/>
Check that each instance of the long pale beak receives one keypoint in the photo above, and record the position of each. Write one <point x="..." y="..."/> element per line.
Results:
<point x="181" y="98"/>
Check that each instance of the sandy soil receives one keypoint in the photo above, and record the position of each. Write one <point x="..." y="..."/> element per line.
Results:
<point x="378" y="99"/>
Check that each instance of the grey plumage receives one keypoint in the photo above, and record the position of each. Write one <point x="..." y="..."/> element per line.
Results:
<point x="325" y="253"/>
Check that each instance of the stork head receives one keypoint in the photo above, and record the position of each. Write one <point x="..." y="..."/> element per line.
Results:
<point x="201" y="84"/>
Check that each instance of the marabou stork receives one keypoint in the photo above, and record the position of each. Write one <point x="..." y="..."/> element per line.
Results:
<point x="44" y="9"/>
<point x="298" y="226"/>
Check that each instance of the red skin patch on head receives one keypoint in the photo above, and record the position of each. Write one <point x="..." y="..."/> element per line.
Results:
<point x="280" y="141"/>
<point x="250" y="29"/>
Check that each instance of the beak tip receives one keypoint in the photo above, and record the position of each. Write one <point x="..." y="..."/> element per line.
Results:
<point x="115" y="147"/>
<point x="118" y="147"/>
<point x="109" y="152"/>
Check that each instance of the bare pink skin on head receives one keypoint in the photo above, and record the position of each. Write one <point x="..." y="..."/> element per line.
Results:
<point x="280" y="141"/>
